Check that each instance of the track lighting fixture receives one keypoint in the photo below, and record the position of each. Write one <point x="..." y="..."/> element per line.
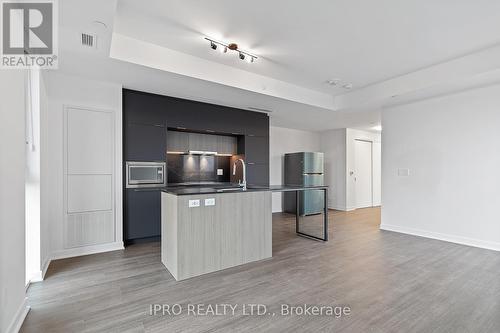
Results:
<point x="339" y="83"/>
<point x="223" y="48"/>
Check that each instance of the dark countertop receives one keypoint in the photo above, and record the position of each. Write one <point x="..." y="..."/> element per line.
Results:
<point x="194" y="190"/>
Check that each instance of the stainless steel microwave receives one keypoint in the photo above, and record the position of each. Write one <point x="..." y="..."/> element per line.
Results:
<point x="145" y="174"/>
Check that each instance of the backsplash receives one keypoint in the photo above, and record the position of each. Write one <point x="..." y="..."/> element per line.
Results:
<point x="187" y="168"/>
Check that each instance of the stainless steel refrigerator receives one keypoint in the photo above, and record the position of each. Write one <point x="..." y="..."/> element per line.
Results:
<point x="304" y="169"/>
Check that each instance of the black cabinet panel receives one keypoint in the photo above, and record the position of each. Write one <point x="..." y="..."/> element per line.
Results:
<point x="142" y="213"/>
<point x="145" y="142"/>
<point x="257" y="174"/>
<point x="151" y="109"/>
<point x="142" y="108"/>
<point x="177" y="141"/>
<point x="257" y="149"/>
<point x="204" y="142"/>
<point x="226" y="144"/>
<point x="256" y="124"/>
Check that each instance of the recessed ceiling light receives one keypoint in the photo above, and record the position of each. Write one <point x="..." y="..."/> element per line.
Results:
<point x="347" y="86"/>
<point x="333" y="82"/>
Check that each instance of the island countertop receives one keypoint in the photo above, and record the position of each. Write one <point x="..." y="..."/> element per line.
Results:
<point x="194" y="190"/>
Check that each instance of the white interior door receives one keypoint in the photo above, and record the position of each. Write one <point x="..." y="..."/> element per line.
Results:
<point x="363" y="174"/>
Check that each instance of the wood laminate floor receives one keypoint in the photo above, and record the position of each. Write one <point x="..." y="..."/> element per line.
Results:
<point x="391" y="282"/>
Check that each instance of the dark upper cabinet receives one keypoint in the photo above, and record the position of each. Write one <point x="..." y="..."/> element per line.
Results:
<point x="180" y="141"/>
<point x="142" y="213"/>
<point x="226" y="144"/>
<point x="177" y="141"/>
<point x="257" y="149"/>
<point x="142" y="108"/>
<point x="257" y="174"/>
<point x="204" y="142"/>
<point x="145" y="142"/>
<point x="151" y="109"/>
<point x="256" y="124"/>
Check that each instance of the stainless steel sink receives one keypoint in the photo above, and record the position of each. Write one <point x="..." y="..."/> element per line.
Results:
<point x="230" y="189"/>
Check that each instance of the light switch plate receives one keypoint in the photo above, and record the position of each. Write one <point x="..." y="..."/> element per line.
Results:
<point x="210" y="202"/>
<point x="220" y="172"/>
<point x="194" y="203"/>
<point x="403" y="172"/>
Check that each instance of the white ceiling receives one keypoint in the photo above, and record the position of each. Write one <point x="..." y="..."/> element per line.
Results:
<point x="299" y="44"/>
<point x="309" y="42"/>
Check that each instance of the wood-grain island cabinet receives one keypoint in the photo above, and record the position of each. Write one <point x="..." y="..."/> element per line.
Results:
<point x="233" y="229"/>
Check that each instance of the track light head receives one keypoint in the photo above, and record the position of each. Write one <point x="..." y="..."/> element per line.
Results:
<point x="223" y="48"/>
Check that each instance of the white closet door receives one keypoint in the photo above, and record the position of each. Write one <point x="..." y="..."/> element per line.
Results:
<point x="89" y="177"/>
<point x="363" y="173"/>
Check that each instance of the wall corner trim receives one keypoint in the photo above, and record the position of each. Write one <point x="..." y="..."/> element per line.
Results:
<point x="45" y="267"/>
<point x="488" y="245"/>
<point x="18" y="320"/>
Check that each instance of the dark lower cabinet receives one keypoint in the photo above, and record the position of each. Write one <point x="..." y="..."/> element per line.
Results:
<point x="145" y="142"/>
<point x="142" y="214"/>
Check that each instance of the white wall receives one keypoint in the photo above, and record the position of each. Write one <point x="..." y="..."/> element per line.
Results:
<point x="38" y="248"/>
<point x="282" y="141"/>
<point x="451" y="146"/>
<point x="45" y="234"/>
<point x="74" y="91"/>
<point x="12" y="205"/>
<point x="333" y="144"/>
<point x="32" y="178"/>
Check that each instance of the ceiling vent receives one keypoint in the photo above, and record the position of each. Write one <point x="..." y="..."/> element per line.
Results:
<point x="259" y="109"/>
<point x="89" y="40"/>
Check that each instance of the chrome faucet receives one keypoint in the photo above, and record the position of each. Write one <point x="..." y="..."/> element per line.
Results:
<point x="241" y="183"/>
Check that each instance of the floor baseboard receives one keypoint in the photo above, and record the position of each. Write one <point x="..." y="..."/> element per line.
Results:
<point x="443" y="237"/>
<point x="85" y="250"/>
<point x="18" y="319"/>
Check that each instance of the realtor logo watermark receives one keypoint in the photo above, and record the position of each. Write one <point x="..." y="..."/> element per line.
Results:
<point x="29" y="34"/>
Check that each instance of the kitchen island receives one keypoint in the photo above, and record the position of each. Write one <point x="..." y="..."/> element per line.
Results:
<point x="209" y="229"/>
